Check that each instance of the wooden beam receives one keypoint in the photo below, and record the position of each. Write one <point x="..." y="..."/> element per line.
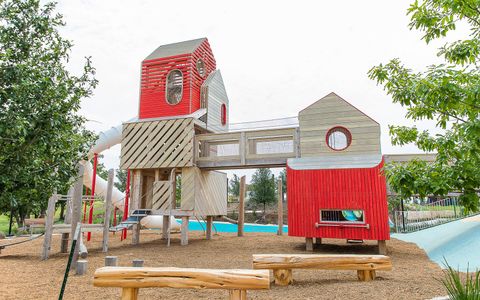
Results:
<point x="242" y="148"/>
<point x="108" y="210"/>
<point x="309" y="244"/>
<point x="322" y="261"/>
<point x="280" y="207"/>
<point x="241" y="206"/>
<point x="237" y="295"/>
<point x="129" y="294"/>
<point x="67" y="220"/>
<point x="49" y="226"/>
<point x="147" y="277"/>
<point x="135" y="203"/>
<point x="209" y="227"/>
<point x="382" y="247"/>
<point x="184" y="231"/>
<point x="77" y="210"/>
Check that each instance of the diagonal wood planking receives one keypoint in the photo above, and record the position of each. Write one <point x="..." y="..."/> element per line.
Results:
<point x="161" y="195"/>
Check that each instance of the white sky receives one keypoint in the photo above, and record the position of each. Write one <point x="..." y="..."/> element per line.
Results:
<point x="276" y="57"/>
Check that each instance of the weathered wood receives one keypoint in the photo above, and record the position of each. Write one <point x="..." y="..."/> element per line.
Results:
<point x="49" y="226"/>
<point x="165" y="227"/>
<point x="67" y="220"/>
<point x="129" y="294"/>
<point x="184" y="231"/>
<point x="137" y="263"/>
<point x="366" y="275"/>
<point x="64" y="242"/>
<point x="77" y="210"/>
<point x="237" y="295"/>
<point x="241" y="206"/>
<point x="322" y="261"/>
<point x="108" y="210"/>
<point x="280" y="207"/>
<point x="135" y="203"/>
<point x="283" y="276"/>
<point x="111" y="261"/>
<point x="309" y="244"/>
<point x="82" y="267"/>
<point x="318" y="241"/>
<point x="130" y="277"/>
<point x="82" y="249"/>
<point x="382" y="247"/>
<point x="209" y="227"/>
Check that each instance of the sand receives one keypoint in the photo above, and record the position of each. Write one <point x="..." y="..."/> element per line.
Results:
<point x="24" y="276"/>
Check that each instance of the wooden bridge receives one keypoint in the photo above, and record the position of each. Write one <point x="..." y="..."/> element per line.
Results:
<point x="246" y="149"/>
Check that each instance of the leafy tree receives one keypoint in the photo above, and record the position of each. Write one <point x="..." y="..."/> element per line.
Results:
<point x="262" y="188"/>
<point x="41" y="136"/>
<point x="234" y="187"/>
<point x="448" y="93"/>
<point x="121" y="182"/>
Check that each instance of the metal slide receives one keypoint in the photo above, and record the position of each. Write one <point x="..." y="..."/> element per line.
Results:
<point x="105" y="141"/>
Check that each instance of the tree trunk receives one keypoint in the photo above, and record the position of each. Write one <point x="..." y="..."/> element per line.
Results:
<point x="62" y="210"/>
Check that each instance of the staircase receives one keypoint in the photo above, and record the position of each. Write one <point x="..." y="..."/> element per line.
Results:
<point x="133" y="219"/>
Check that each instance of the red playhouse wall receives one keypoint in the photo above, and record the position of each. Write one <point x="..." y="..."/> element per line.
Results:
<point x="350" y="189"/>
<point x="154" y="74"/>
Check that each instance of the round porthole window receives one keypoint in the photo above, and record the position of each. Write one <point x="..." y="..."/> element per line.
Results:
<point x="201" y="67"/>
<point x="174" y="87"/>
<point x="338" y="138"/>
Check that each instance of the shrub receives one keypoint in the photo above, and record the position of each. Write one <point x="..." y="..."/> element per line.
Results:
<point x="457" y="288"/>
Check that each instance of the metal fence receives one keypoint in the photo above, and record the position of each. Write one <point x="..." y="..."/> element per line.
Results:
<point x="417" y="216"/>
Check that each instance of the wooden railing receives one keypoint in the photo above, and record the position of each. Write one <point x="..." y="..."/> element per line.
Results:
<point x="267" y="148"/>
<point x="131" y="279"/>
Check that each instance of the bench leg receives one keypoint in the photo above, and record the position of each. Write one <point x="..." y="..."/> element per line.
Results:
<point x="309" y="244"/>
<point x="382" y="247"/>
<point x="238" y="295"/>
<point x="129" y="294"/>
<point x="283" y="276"/>
<point x="366" y="275"/>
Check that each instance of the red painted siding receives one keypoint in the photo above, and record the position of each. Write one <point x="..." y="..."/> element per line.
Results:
<point x="153" y="79"/>
<point x="309" y="191"/>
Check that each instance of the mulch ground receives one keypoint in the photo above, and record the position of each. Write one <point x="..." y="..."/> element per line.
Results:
<point x="24" y="276"/>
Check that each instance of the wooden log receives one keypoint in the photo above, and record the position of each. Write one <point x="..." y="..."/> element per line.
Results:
<point x="111" y="261"/>
<point x="82" y="266"/>
<point x="76" y="210"/>
<point x="366" y="275"/>
<point x="49" y="226"/>
<point x="184" y="231"/>
<point x="283" y="277"/>
<point x="166" y="223"/>
<point x="64" y="242"/>
<point x="209" y="227"/>
<point x="129" y="294"/>
<point x="241" y="207"/>
<point x="280" y="207"/>
<point x="137" y="263"/>
<point x="82" y="249"/>
<point x="129" y="277"/>
<point x="67" y="220"/>
<point x="382" y="247"/>
<point x="238" y="295"/>
<point x="135" y="203"/>
<point x="322" y="261"/>
<point x="309" y="244"/>
<point x="108" y="210"/>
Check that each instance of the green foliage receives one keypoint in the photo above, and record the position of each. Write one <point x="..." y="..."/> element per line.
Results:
<point x="234" y="187"/>
<point x="449" y="94"/>
<point x="101" y="169"/>
<point x="41" y="136"/>
<point x="262" y="187"/>
<point x="121" y="182"/>
<point x="461" y="290"/>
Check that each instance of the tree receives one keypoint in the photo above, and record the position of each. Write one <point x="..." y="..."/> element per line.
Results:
<point x="262" y="187"/>
<point x="447" y="93"/>
<point x="234" y="187"/>
<point x="121" y="179"/>
<point x="283" y="176"/>
<point x="41" y="135"/>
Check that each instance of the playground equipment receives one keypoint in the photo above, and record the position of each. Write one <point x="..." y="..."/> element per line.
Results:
<point x="131" y="279"/>
<point x="282" y="264"/>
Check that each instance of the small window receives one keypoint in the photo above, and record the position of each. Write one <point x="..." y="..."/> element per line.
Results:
<point x="174" y="87"/>
<point x="201" y="67"/>
<point x="224" y="114"/>
<point x="339" y="138"/>
<point x="349" y="216"/>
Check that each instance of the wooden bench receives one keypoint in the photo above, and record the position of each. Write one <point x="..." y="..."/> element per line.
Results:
<point x="131" y="279"/>
<point x="282" y="264"/>
<point x="33" y="224"/>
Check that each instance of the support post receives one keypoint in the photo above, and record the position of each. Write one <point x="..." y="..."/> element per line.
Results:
<point x="108" y="210"/>
<point x="77" y="210"/>
<point x="67" y="220"/>
<point x="318" y="241"/>
<point x="241" y="206"/>
<point x="403" y="215"/>
<point x="135" y="203"/>
<point x="238" y="295"/>
<point x="309" y="243"/>
<point x="382" y="247"/>
<point x="82" y="266"/>
<point x="137" y="263"/>
<point x="111" y="261"/>
<point x="283" y="277"/>
<point x="166" y="224"/>
<point x="366" y="275"/>
<point x="209" y="227"/>
<point x="280" y="207"/>
<point x="125" y="208"/>
<point x="94" y="180"/>
<point x="129" y="293"/>
<point x="49" y="226"/>
<point x="184" y="231"/>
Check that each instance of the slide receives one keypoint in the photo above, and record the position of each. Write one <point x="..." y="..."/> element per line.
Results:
<point x="106" y="140"/>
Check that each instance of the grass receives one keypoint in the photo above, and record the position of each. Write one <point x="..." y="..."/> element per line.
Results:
<point x="458" y="289"/>
<point x="4" y="222"/>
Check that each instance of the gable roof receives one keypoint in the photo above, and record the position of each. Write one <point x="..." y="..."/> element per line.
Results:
<point x="337" y="96"/>
<point x="176" y="49"/>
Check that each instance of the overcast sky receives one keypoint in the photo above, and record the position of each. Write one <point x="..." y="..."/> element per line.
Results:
<point x="276" y="57"/>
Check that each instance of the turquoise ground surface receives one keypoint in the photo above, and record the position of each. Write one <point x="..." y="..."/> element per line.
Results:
<point x="228" y="227"/>
<point x="456" y="242"/>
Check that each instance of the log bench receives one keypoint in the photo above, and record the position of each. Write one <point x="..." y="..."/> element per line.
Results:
<point x="131" y="279"/>
<point x="282" y="264"/>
